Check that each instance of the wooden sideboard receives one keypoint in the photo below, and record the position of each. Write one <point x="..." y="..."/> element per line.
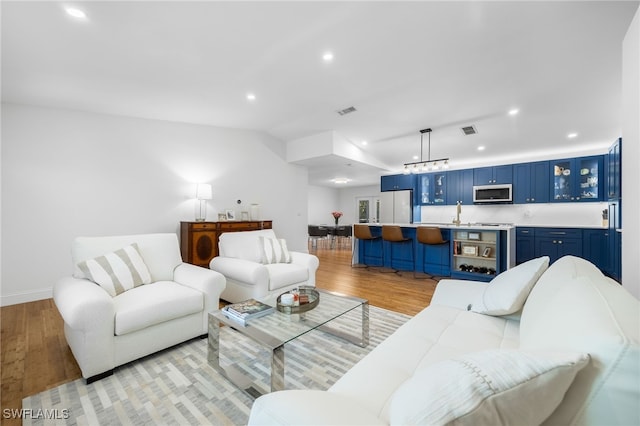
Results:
<point x="199" y="240"/>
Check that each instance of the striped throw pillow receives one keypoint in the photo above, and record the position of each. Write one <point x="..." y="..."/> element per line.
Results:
<point x="117" y="272"/>
<point x="273" y="251"/>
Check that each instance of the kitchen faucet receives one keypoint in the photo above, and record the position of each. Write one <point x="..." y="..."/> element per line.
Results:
<point x="456" y="221"/>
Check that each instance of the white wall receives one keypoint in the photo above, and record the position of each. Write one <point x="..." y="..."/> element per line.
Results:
<point x="631" y="157"/>
<point x="321" y="202"/>
<point x="66" y="174"/>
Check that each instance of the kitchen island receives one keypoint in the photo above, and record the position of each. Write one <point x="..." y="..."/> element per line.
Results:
<point x="476" y="251"/>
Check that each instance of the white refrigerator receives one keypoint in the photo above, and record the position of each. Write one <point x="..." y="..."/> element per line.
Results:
<point x="396" y="207"/>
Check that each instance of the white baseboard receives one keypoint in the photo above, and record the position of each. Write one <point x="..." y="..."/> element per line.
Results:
<point x="30" y="296"/>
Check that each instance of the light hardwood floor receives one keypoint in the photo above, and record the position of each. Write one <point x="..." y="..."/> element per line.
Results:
<point x="35" y="355"/>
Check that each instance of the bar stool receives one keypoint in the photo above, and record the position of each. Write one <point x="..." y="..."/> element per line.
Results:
<point x="393" y="234"/>
<point x="362" y="232"/>
<point x="429" y="236"/>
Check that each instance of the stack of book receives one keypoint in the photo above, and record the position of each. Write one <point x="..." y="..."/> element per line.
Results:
<point x="247" y="310"/>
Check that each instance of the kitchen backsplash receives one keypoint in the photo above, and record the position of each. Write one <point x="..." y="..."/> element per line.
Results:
<point x="554" y="215"/>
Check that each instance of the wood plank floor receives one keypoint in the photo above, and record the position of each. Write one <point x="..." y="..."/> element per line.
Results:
<point x="35" y="355"/>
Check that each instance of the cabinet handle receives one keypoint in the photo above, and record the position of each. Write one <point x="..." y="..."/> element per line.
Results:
<point x="557" y="233"/>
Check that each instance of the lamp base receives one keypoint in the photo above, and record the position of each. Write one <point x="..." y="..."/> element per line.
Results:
<point x="201" y="211"/>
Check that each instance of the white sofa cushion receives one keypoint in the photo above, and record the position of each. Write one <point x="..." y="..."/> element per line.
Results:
<point x="273" y="250"/>
<point x="434" y="334"/>
<point x="118" y="271"/>
<point x="486" y="388"/>
<point x="154" y="303"/>
<point x="286" y="274"/>
<point x="243" y="245"/>
<point x="161" y="252"/>
<point x="507" y="292"/>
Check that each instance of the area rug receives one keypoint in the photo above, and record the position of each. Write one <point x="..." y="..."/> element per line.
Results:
<point x="178" y="387"/>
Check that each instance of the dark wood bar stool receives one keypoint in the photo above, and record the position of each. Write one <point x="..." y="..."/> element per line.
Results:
<point x="393" y="235"/>
<point x="363" y="232"/>
<point x="427" y="235"/>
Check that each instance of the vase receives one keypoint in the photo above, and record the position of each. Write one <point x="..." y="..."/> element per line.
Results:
<point x="336" y="221"/>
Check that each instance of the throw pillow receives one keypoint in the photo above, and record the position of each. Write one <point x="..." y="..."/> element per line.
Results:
<point x="118" y="271"/>
<point x="494" y="387"/>
<point x="273" y="251"/>
<point x="508" y="291"/>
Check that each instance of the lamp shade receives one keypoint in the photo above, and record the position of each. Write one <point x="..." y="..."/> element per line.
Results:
<point x="203" y="191"/>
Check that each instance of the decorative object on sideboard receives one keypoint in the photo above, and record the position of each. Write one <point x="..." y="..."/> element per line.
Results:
<point x="428" y="164"/>
<point x="203" y="193"/>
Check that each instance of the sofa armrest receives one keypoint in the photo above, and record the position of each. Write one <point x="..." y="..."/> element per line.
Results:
<point x="310" y="261"/>
<point x="240" y="270"/>
<point x="210" y="283"/>
<point x="458" y="293"/>
<point x="84" y="305"/>
<point x="309" y="407"/>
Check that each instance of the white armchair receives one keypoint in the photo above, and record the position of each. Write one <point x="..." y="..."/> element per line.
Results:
<point x="104" y="332"/>
<point x="240" y="262"/>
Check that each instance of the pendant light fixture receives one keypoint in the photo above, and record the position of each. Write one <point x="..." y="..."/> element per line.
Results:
<point x="428" y="164"/>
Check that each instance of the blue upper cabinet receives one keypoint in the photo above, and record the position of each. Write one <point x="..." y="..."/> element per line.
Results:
<point x="432" y="188"/>
<point x="491" y="175"/>
<point x="397" y="182"/>
<point x="460" y="187"/>
<point x="531" y="182"/>
<point x="614" y="171"/>
<point x="577" y="179"/>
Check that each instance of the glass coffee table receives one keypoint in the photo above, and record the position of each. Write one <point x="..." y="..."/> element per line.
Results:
<point x="273" y="331"/>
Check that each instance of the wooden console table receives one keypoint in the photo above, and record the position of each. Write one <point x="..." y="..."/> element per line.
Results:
<point x="199" y="240"/>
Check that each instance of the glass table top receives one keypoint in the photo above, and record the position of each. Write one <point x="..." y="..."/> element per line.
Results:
<point x="278" y="328"/>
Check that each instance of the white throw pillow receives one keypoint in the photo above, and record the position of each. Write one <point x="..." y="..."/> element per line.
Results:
<point x="273" y="251"/>
<point x="118" y="271"/>
<point x="494" y="387"/>
<point x="508" y="291"/>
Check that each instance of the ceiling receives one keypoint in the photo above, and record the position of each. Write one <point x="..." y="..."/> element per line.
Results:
<point x="404" y="66"/>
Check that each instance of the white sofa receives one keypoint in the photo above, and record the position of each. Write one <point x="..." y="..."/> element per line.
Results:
<point x="105" y="331"/>
<point x="417" y="376"/>
<point x="249" y="276"/>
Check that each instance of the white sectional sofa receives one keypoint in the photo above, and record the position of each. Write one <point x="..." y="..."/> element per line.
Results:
<point x="243" y="261"/>
<point x="105" y="329"/>
<point x="571" y="355"/>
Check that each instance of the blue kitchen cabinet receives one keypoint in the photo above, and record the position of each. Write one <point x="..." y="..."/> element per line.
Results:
<point x="434" y="259"/>
<point x="432" y="188"/>
<point x="525" y="244"/>
<point x="577" y="179"/>
<point x="460" y="187"/>
<point x="531" y="182"/>
<point x="493" y="175"/>
<point x="595" y="245"/>
<point x="614" y="177"/>
<point x="397" y="182"/>
<point x="558" y="242"/>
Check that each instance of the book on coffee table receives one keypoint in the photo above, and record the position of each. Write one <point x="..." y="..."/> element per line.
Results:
<point x="247" y="310"/>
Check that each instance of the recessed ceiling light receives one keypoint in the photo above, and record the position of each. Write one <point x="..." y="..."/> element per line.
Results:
<point x="572" y="135"/>
<point x="514" y="111"/>
<point x="364" y="142"/>
<point x="76" y="13"/>
<point x="481" y="148"/>
<point x="327" y="56"/>
<point x="251" y="97"/>
<point x="341" y="180"/>
<point x="415" y="157"/>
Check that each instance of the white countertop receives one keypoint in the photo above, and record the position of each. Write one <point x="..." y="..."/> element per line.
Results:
<point x="447" y="225"/>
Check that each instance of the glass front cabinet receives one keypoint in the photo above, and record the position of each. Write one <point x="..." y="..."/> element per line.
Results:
<point x="577" y="179"/>
<point x="432" y="188"/>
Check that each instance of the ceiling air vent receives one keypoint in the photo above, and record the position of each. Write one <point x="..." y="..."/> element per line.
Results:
<point x="469" y="130"/>
<point x="346" y="110"/>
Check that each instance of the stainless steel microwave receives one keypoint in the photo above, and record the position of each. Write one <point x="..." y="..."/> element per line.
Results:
<point x="499" y="193"/>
